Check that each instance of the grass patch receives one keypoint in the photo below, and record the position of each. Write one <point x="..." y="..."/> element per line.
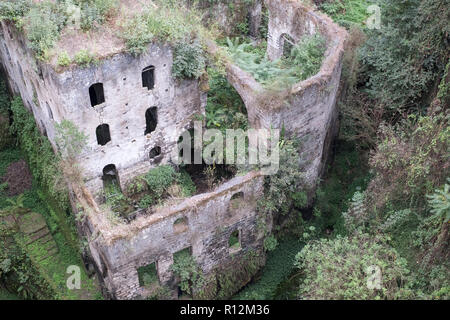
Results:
<point x="278" y="267"/>
<point x="62" y="229"/>
<point x="347" y="13"/>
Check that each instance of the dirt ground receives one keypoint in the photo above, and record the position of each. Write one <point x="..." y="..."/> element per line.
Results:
<point x="18" y="177"/>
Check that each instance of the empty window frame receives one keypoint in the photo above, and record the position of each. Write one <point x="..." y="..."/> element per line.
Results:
<point x="236" y="201"/>
<point x="234" y="242"/>
<point x="287" y="43"/>
<point x="103" y="134"/>
<point x="148" y="275"/>
<point x="96" y="94"/>
<point x="151" y="119"/>
<point x="148" y="77"/>
<point x="111" y="178"/>
<point x="154" y="152"/>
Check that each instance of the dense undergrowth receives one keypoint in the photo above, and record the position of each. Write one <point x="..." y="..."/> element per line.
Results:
<point x="27" y="270"/>
<point x="301" y="62"/>
<point x="386" y="190"/>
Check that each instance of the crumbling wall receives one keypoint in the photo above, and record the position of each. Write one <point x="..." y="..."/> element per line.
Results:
<point x="211" y="218"/>
<point x="29" y="79"/>
<point x="53" y="96"/>
<point x="308" y="110"/>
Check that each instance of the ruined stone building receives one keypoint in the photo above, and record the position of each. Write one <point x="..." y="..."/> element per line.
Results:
<point x="134" y="112"/>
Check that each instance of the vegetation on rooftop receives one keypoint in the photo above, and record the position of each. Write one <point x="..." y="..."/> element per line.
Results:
<point x="303" y="61"/>
<point x="43" y="21"/>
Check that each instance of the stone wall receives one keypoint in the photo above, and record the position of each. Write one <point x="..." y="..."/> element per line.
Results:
<point x="211" y="219"/>
<point x="308" y="110"/>
<point x="53" y="96"/>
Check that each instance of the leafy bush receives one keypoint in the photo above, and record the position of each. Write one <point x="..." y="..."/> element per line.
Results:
<point x="341" y="269"/>
<point x="402" y="60"/>
<point x="188" y="60"/>
<point x="270" y="243"/>
<point x="159" y="180"/>
<point x="170" y="23"/>
<point x="439" y="201"/>
<point x="346" y="12"/>
<point x="95" y="12"/>
<point x="14" y="10"/>
<point x="188" y="187"/>
<point x="307" y="56"/>
<point x="42" y="30"/>
<point x="84" y="58"/>
<point x="64" y="59"/>
<point x="410" y="161"/>
<point x="280" y="186"/>
<point x="43" y="163"/>
<point x="186" y="268"/>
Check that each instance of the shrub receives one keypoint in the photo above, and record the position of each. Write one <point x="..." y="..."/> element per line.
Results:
<point x="42" y="30"/>
<point x="44" y="164"/>
<point x="341" y="268"/>
<point x="158" y="181"/>
<point x="14" y="10"/>
<point x="189" y="60"/>
<point x="84" y="58"/>
<point x="188" y="187"/>
<point x="64" y="59"/>
<point x="280" y="186"/>
<point x="167" y="23"/>
<point x="270" y="243"/>
<point x="186" y="268"/>
<point x="95" y="12"/>
<point x="307" y="56"/>
<point x="410" y="161"/>
<point x="402" y="60"/>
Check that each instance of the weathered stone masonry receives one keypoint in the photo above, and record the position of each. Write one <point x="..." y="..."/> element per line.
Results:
<point x="211" y="218"/>
<point x="308" y="111"/>
<point x="55" y="96"/>
<point x="118" y="250"/>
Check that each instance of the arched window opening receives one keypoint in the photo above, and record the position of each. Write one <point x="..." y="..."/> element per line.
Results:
<point x="287" y="43"/>
<point x="96" y="94"/>
<point x="180" y="225"/>
<point x="236" y="201"/>
<point x="234" y="242"/>
<point x="148" y="77"/>
<point x="151" y="120"/>
<point x="154" y="152"/>
<point x="110" y="178"/>
<point x="103" y="134"/>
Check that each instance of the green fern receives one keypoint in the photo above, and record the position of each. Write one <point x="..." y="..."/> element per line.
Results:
<point x="439" y="201"/>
